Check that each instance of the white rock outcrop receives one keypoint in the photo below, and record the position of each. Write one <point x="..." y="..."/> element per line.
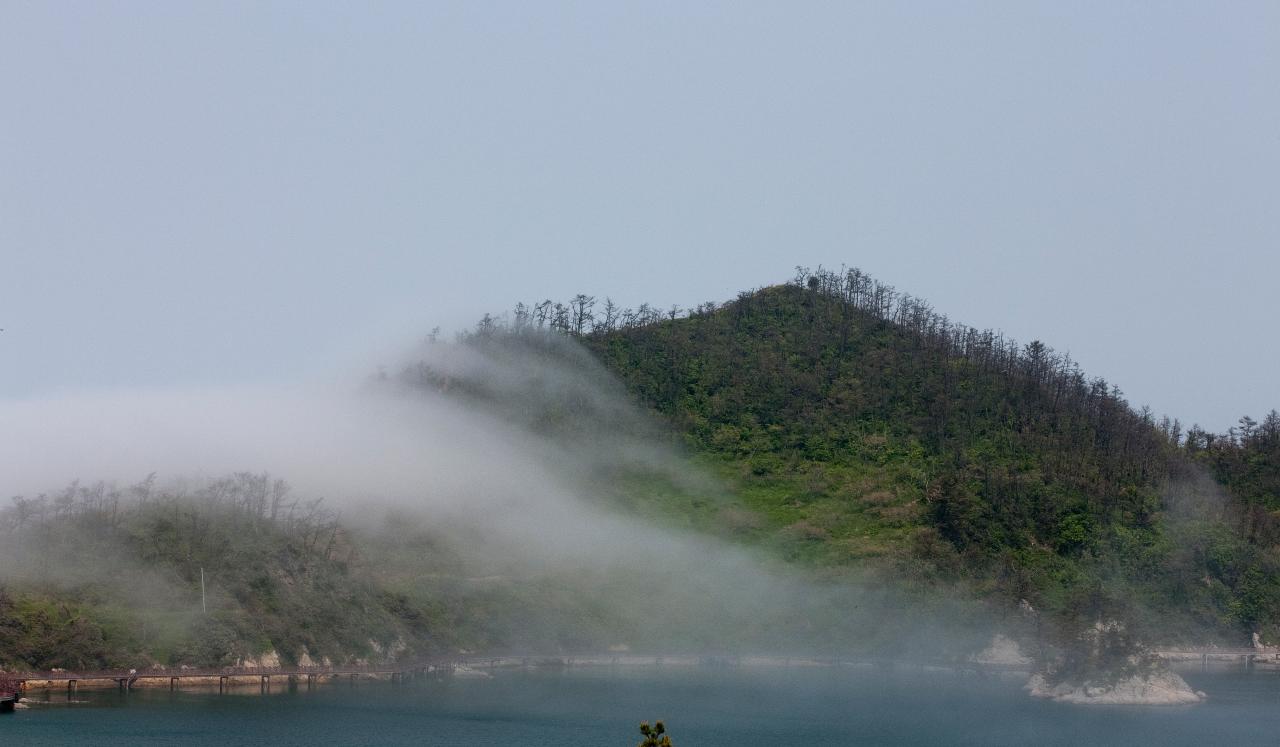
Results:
<point x="1158" y="688"/>
<point x="1003" y="652"/>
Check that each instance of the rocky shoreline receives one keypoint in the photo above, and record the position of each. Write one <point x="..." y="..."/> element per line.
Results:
<point x="1162" y="686"/>
<point x="1155" y="684"/>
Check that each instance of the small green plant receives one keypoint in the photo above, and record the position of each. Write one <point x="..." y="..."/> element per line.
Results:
<point x="654" y="736"/>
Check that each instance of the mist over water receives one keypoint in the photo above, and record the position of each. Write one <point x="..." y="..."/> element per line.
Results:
<point x="506" y="455"/>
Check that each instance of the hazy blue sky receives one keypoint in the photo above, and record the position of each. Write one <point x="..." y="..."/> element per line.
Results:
<point x="240" y="192"/>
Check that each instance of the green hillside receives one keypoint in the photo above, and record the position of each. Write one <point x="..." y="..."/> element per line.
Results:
<point x="856" y="424"/>
<point x="907" y="466"/>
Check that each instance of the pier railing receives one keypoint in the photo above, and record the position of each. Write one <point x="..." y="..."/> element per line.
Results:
<point x="185" y="671"/>
<point x="486" y="661"/>
<point x="126" y="678"/>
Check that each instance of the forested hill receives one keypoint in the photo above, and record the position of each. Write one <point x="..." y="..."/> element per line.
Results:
<point x="1008" y="446"/>
<point x="856" y="422"/>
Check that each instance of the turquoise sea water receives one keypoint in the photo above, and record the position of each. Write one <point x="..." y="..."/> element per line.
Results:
<point x="702" y="708"/>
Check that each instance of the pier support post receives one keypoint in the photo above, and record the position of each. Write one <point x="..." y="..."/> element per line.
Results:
<point x="173" y="684"/>
<point x="71" y="688"/>
<point x="222" y="683"/>
<point x="266" y="685"/>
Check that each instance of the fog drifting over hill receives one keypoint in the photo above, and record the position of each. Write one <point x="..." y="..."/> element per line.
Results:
<point x="473" y="458"/>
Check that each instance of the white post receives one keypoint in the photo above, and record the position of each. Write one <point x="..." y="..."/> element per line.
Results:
<point x="203" y="607"/>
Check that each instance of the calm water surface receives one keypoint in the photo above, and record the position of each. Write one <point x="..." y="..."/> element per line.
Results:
<point x="702" y="707"/>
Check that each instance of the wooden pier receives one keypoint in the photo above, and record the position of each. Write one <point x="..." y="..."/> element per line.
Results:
<point x="12" y="688"/>
<point x="263" y="678"/>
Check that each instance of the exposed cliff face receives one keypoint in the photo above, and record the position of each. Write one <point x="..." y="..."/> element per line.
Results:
<point x="269" y="660"/>
<point x="1156" y="688"/>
